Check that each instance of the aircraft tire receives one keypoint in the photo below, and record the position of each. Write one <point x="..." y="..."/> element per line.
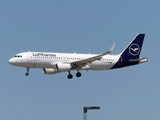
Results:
<point x="27" y="74"/>
<point x="70" y="76"/>
<point x="78" y="74"/>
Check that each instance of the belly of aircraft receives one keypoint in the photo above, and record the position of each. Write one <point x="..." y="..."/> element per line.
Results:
<point x="104" y="66"/>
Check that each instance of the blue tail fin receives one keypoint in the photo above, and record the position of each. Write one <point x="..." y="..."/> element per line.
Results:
<point x="131" y="52"/>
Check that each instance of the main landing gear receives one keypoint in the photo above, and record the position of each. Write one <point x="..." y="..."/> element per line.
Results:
<point x="70" y="76"/>
<point x="27" y="72"/>
<point x="78" y="74"/>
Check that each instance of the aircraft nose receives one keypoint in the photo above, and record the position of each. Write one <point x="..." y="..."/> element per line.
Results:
<point x="11" y="61"/>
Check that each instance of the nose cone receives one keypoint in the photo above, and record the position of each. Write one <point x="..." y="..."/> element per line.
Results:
<point x="11" y="61"/>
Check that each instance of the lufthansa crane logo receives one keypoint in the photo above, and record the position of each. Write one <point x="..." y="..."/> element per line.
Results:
<point x="134" y="49"/>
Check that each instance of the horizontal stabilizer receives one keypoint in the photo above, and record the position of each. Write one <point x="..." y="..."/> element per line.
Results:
<point x="135" y="60"/>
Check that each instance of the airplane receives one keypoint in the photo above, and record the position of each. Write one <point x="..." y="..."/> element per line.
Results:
<point x="53" y="63"/>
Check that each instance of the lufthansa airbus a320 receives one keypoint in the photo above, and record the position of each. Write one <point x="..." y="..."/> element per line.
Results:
<point x="53" y="63"/>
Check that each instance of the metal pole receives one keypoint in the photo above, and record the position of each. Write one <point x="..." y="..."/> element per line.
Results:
<point x="85" y="111"/>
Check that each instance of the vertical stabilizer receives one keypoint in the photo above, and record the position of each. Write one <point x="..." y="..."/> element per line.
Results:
<point x="131" y="52"/>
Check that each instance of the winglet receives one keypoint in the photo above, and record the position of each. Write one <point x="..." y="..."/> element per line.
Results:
<point x="111" y="49"/>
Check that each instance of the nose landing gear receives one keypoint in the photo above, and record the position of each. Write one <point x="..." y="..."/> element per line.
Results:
<point x="27" y="74"/>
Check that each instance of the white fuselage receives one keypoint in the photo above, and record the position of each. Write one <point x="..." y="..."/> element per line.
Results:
<point x="48" y="60"/>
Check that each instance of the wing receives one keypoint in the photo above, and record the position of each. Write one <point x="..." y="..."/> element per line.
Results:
<point x="82" y="63"/>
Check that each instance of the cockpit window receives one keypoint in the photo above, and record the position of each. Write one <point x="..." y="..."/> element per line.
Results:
<point x="19" y="56"/>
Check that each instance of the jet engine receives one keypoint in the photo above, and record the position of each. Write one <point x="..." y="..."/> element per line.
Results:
<point x="61" y="67"/>
<point x="49" y="71"/>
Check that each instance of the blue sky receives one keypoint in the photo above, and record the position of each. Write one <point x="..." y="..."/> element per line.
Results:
<point x="84" y="27"/>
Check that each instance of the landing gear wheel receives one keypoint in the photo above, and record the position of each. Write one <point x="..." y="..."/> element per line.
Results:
<point x="78" y="74"/>
<point x="27" y="74"/>
<point x="70" y="76"/>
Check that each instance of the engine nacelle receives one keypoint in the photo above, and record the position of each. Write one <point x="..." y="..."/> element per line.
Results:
<point x="62" y="67"/>
<point x="49" y="71"/>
